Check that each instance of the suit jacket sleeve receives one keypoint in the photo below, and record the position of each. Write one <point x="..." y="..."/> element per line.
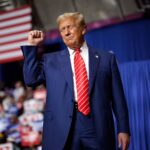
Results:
<point x="119" y="102"/>
<point x="33" y="69"/>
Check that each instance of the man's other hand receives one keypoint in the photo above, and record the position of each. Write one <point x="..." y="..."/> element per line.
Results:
<point x="123" y="141"/>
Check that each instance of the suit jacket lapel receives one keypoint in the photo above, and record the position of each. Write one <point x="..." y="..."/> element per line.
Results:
<point x="65" y="66"/>
<point x="94" y="58"/>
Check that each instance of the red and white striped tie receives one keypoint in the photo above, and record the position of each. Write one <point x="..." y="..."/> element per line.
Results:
<point x="82" y="84"/>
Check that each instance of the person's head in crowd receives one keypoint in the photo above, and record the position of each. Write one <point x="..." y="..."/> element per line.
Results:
<point x="18" y="84"/>
<point x="29" y="93"/>
<point x="13" y="119"/>
<point x="19" y="91"/>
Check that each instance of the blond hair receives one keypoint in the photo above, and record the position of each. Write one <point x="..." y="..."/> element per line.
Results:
<point x="76" y="15"/>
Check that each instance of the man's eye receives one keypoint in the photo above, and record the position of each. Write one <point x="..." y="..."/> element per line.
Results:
<point x="71" y="27"/>
<point x="63" y="29"/>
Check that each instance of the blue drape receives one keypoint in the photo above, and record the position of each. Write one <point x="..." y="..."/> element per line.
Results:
<point x="130" y="41"/>
<point x="136" y="82"/>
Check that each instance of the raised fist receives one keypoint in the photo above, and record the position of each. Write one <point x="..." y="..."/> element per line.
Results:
<point x="35" y="37"/>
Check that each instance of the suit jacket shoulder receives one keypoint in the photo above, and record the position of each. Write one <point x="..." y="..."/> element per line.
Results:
<point x="53" y="55"/>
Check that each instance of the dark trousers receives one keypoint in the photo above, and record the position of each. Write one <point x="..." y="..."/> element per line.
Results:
<point x="82" y="134"/>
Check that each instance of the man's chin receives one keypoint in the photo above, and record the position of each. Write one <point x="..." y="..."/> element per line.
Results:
<point x="70" y="44"/>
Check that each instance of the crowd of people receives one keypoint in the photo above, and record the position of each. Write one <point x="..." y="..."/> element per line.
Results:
<point x="21" y="115"/>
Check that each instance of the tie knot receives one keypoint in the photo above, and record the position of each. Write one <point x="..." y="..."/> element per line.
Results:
<point x="78" y="50"/>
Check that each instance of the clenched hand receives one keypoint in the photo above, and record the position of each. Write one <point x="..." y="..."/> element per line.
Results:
<point x="35" y="37"/>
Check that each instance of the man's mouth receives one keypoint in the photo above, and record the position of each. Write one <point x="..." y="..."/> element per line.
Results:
<point x="69" y="38"/>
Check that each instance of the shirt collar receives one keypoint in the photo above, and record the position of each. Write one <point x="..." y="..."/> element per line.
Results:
<point x="82" y="48"/>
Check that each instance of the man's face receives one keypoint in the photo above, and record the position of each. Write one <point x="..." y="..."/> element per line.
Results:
<point x="72" y="32"/>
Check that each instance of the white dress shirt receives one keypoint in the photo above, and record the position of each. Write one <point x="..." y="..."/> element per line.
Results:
<point x="85" y="55"/>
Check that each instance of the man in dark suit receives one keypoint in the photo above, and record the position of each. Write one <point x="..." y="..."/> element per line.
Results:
<point x="83" y="88"/>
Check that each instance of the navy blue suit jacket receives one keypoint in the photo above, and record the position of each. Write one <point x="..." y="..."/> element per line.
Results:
<point x="106" y="94"/>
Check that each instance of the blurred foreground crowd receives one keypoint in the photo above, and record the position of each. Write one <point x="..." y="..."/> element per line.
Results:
<point x="21" y="116"/>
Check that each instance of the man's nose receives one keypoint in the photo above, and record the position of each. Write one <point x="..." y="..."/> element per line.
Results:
<point x="67" y="32"/>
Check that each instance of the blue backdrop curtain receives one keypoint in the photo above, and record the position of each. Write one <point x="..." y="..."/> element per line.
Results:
<point x="129" y="40"/>
<point x="136" y="82"/>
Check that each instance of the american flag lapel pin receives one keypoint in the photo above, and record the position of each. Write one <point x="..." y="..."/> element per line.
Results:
<point x="96" y="56"/>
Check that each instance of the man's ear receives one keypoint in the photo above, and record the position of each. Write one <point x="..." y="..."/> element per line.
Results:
<point x="84" y="29"/>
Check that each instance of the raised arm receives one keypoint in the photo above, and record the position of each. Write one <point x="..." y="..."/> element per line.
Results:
<point x="33" y="68"/>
